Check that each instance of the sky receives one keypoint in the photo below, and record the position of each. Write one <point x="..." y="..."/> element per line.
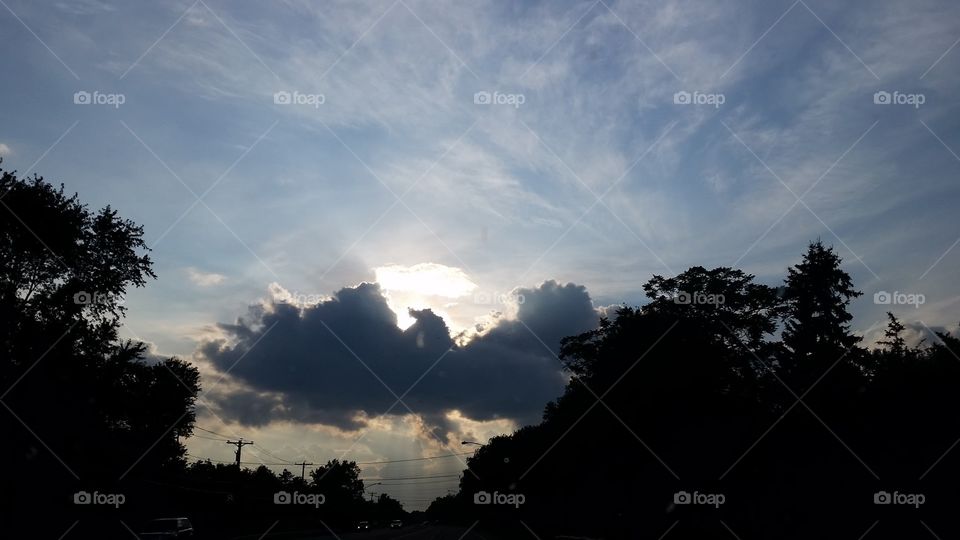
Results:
<point x="307" y="172"/>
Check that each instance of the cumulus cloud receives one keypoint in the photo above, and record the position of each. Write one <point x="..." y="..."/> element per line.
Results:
<point x="5" y="150"/>
<point x="344" y="360"/>
<point x="610" y="312"/>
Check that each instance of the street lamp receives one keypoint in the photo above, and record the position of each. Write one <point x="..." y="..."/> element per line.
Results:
<point x="472" y="443"/>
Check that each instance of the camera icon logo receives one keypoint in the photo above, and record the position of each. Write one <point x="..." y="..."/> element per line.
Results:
<point x="882" y="298"/>
<point x="683" y="298"/>
<point x="482" y="98"/>
<point x="681" y="98"/>
<point x="881" y="497"/>
<point x="881" y="97"/>
<point x="82" y="497"/>
<point x="281" y="497"/>
<point x="481" y="497"/>
<point x="82" y="298"/>
<point x="681" y="497"/>
<point x="282" y="98"/>
<point x="81" y="98"/>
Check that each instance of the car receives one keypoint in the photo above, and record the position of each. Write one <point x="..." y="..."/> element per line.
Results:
<point x="396" y="524"/>
<point x="179" y="527"/>
<point x="363" y="525"/>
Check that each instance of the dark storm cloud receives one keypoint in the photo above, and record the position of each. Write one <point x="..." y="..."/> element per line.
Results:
<point x="344" y="359"/>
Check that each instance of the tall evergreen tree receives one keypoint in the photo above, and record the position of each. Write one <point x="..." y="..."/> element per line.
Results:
<point x="817" y="321"/>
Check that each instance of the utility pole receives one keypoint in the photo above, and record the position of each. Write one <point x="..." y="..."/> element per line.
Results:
<point x="239" y="444"/>
<point x="303" y="468"/>
<point x="371" y="493"/>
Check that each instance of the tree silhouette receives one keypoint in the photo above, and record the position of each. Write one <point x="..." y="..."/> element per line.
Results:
<point x="893" y="337"/>
<point x="339" y="479"/>
<point x="817" y="321"/>
<point x="691" y="393"/>
<point x="83" y="407"/>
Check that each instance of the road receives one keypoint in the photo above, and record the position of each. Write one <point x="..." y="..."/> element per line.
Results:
<point x="416" y="532"/>
<point x="411" y="532"/>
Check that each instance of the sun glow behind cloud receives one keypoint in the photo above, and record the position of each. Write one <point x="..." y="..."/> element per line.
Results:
<point x="424" y="285"/>
<point x="427" y="279"/>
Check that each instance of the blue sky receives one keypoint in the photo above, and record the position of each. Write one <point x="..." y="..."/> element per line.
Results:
<point x="301" y="200"/>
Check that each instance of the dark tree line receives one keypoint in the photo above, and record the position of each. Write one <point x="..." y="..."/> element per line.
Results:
<point x="228" y="500"/>
<point x="766" y="398"/>
<point x="87" y="412"/>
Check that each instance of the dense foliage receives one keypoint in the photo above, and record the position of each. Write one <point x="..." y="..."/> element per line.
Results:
<point x="723" y="386"/>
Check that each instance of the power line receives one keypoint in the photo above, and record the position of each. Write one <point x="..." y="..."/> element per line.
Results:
<point x="227" y="438"/>
<point x="288" y="462"/>
<point x="414" y="477"/>
<point x="357" y="462"/>
<point x="412" y="459"/>
<point x="418" y="484"/>
<point x="265" y="451"/>
<point x="207" y="438"/>
<point x="393" y="478"/>
<point x="242" y="462"/>
<point x="212" y="432"/>
<point x="230" y="462"/>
